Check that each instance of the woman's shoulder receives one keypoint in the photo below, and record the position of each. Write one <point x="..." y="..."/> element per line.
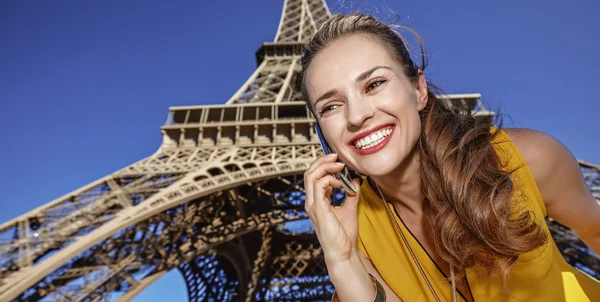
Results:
<point x="540" y="151"/>
<point x="532" y="144"/>
<point x="555" y="170"/>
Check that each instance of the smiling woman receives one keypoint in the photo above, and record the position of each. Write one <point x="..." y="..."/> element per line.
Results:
<point x="451" y="207"/>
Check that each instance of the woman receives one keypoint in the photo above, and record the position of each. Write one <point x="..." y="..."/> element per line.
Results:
<point x="464" y="201"/>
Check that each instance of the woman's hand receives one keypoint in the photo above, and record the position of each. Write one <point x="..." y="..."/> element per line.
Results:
<point x="337" y="230"/>
<point x="336" y="226"/>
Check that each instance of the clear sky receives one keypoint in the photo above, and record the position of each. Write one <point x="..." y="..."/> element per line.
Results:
<point x="85" y="85"/>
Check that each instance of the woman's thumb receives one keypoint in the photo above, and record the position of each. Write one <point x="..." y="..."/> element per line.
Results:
<point x="352" y="200"/>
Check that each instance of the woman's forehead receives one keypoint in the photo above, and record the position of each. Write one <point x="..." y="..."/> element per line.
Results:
<point x="344" y="59"/>
<point x="351" y="50"/>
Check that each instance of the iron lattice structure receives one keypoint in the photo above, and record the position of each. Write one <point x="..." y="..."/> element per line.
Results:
<point x="221" y="200"/>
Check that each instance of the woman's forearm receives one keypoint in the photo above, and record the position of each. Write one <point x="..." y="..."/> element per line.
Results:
<point x="351" y="280"/>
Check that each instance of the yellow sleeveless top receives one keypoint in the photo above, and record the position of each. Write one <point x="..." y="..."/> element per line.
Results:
<point x="538" y="275"/>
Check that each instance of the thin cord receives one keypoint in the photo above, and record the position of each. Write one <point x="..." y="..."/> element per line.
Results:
<point x="453" y="283"/>
<point x="412" y="254"/>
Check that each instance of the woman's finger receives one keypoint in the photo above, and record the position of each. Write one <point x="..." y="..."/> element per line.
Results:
<point x="319" y="172"/>
<point x="317" y="163"/>
<point x="324" y="184"/>
<point x="352" y="200"/>
<point x="321" y="204"/>
<point x="321" y="160"/>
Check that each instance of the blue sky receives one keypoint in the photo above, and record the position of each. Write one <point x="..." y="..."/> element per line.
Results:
<point x="85" y="86"/>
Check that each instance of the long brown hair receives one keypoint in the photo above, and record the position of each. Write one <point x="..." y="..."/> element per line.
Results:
<point x="469" y="195"/>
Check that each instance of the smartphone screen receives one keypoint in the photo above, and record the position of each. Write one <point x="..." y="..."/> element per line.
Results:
<point x="344" y="175"/>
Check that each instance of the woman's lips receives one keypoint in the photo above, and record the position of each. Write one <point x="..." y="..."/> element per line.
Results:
<point x="376" y="145"/>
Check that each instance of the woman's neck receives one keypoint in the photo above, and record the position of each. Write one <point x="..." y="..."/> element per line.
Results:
<point x="403" y="186"/>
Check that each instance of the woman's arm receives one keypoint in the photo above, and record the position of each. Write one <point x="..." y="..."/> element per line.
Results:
<point x="351" y="279"/>
<point x="336" y="228"/>
<point x="347" y="281"/>
<point x="560" y="181"/>
<point x="389" y="294"/>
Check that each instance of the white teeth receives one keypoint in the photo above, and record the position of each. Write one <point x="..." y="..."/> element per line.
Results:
<point x="372" y="140"/>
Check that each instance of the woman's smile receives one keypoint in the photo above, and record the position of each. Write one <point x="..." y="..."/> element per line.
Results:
<point x="372" y="140"/>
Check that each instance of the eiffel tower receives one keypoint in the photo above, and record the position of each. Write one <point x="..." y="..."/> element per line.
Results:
<point x="221" y="201"/>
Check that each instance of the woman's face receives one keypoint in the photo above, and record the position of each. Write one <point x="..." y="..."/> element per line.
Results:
<point x="367" y="108"/>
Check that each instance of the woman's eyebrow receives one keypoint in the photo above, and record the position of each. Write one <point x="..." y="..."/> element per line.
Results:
<point x="326" y="95"/>
<point x="368" y="73"/>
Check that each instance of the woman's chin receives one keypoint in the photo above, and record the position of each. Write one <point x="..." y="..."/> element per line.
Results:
<point x="377" y="170"/>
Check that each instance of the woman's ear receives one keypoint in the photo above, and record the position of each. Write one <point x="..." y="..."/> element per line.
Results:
<point x="422" y="92"/>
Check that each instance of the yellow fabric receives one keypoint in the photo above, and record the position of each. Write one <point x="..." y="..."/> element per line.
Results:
<point x="539" y="275"/>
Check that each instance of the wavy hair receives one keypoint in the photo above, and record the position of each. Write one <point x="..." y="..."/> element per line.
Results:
<point x="469" y="195"/>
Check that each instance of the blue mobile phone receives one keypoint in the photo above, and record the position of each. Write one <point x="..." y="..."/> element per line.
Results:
<point x="344" y="175"/>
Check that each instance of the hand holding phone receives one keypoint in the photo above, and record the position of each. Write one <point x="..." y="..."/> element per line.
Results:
<point x="344" y="175"/>
<point x="336" y="226"/>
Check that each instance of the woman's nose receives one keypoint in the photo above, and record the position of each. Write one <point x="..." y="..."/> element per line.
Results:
<point x="359" y="110"/>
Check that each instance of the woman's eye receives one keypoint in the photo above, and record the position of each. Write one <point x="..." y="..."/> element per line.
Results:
<point x="374" y="85"/>
<point x="327" y="108"/>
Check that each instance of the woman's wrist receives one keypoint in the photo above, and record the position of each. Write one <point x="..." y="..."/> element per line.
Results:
<point x="380" y="295"/>
<point x="351" y="280"/>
